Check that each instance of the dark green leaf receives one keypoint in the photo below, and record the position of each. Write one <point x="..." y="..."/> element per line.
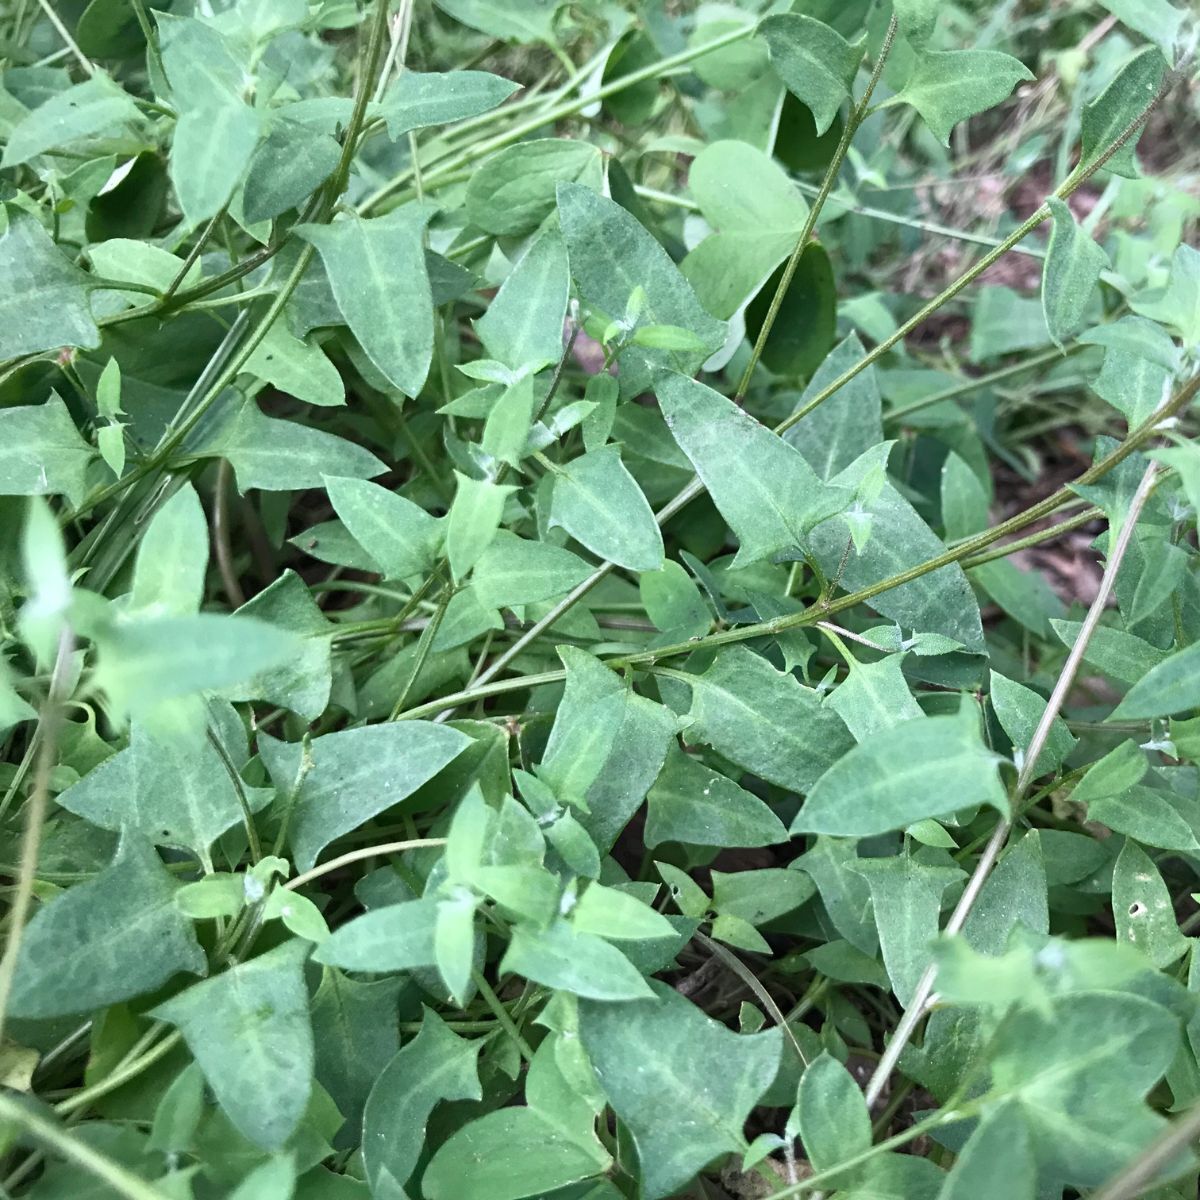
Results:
<point x="249" y="1030"/>
<point x="419" y="99"/>
<point x="666" y="1046"/>
<point x="946" y="87"/>
<point x="44" y="304"/>
<point x="763" y="720"/>
<point x="816" y="63"/>
<point x="924" y="768"/>
<point x="610" y="256"/>
<point x="339" y="781"/>
<point x="377" y="271"/>
<point x="599" y="503"/>
<point x="109" y="939"/>
<point x="436" y="1065"/>
<point x="515" y="191"/>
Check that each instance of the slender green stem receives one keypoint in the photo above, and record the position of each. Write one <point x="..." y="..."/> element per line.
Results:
<point x="481" y="691"/>
<point x="239" y="789"/>
<point x="1028" y="771"/>
<point x="981" y="381"/>
<point x="751" y="980"/>
<point x="353" y="856"/>
<point x="195" y="252"/>
<point x="64" y="33"/>
<point x="501" y="1014"/>
<point x="124" y="1073"/>
<point x="1051" y="532"/>
<point x="857" y="116"/>
<point x="566" y="108"/>
<point x="424" y="646"/>
<point x="35" y="816"/>
<point x="123" y="1181"/>
<point x="151" y="36"/>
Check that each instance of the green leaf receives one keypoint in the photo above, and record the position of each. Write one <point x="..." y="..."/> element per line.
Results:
<point x="419" y="99"/>
<point x="939" y="601"/>
<point x="1077" y="1073"/>
<point x="515" y="570"/>
<point x="506" y="1155"/>
<point x="674" y="602"/>
<point x="599" y="504"/>
<point x="398" y="937"/>
<point x="377" y="271"/>
<point x="609" y="913"/>
<point x="41" y="452"/>
<point x="249" y="1030"/>
<point x="398" y="534"/>
<point x="96" y="106"/>
<point x="946" y="87"/>
<point x="1156" y="20"/>
<point x="528" y="21"/>
<point x="279" y="456"/>
<point x="917" y="19"/>
<point x="1171" y="686"/>
<point x="611" y="254"/>
<point x="757" y="214"/>
<point x="297" y="367"/>
<point x="437" y="1065"/>
<point x="210" y="154"/>
<point x="763" y="487"/>
<point x="1116" y="772"/>
<point x="172" y="558"/>
<point x="523" y="324"/>
<point x="690" y="803"/>
<point x="145" y="663"/>
<point x="1107" y="117"/>
<point x="1072" y="270"/>
<point x="170" y="791"/>
<point x="764" y="721"/>
<point x="1153" y="817"/>
<point x="757" y="897"/>
<point x="849" y="423"/>
<point x="1143" y="910"/>
<point x="1001" y="1137"/>
<point x="1019" y="710"/>
<point x="583" y="964"/>
<point x="606" y="746"/>
<point x="1178" y="304"/>
<point x="108" y="939"/>
<point x="354" y="1035"/>
<point x="873" y="697"/>
<point x="473" y="521"/>
<point x="816" y="63"/>
<point x="924" y="768"/>
<point x="44" y="304"/>
<point x="341" y="780"/>
<point x="906" y="896"/>
<point x="1124" y="656"/>
<point x="288" y="165"/>
<point x="274" y="1180"/>
<point x="666" y="1046"/>
<point x="514" y="192"/>
<point x="833" y="1118"/>
<point x="303" y="682"/>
